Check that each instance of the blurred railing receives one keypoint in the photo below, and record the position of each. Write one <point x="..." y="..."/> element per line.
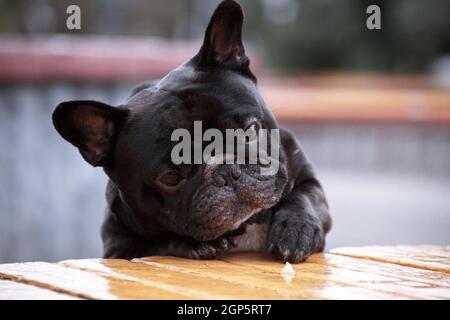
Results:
<point x="89" y="58"/>
<point x="328" y="97"/>
<point x="294" y="101"/>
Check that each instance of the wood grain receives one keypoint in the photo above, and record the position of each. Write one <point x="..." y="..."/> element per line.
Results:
<point x="424" y="257"/>
<point x="399" y="272"/>
<point x="10" y="290"/>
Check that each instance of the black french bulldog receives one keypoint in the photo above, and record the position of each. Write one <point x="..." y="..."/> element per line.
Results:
<point x="197" y="211"/>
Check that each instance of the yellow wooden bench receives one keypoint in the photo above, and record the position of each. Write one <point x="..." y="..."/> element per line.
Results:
<point x="376" y="272"/>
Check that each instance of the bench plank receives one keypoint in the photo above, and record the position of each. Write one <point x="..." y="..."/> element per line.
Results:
<point x="311" y="282"/>
<point x="10" y="290"/>
<point x="435" y="258"/>
<point x="399" y="281"/>
<point x="80" y="283"/>
<point x="400" y="272"/>
<point x="171" y="279"/>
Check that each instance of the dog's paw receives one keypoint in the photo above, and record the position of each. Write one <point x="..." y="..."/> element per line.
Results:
<point x="295" y="236"/>
<point x="210" y="249"/>
<point x="202" y="250"/>
<point x="225" y="243"/>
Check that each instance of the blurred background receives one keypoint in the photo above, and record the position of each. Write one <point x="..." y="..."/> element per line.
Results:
<point x="371" y="108"/>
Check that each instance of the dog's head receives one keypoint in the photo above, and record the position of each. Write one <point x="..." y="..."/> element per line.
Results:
<point x="133" y="142"/>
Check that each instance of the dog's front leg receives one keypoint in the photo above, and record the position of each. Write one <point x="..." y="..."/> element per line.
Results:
<point x="300" y="223"/>
<point x="301" y="218"/>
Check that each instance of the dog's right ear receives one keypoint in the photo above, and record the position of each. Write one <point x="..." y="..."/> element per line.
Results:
<point x="90" y="126"/>
<point x="222" y="45"/>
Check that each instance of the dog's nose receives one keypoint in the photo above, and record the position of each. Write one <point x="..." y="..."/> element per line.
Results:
<point x="227" y="175"/>
<point x="219" y="180"/>
<point x="235" y="172"/>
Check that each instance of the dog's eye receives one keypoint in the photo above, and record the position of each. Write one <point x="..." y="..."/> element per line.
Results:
<point x="170" y="181"/>
<point x="252" y="132"/>
<point x="170" y="178"/>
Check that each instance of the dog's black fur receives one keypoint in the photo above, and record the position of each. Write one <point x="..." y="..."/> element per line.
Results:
<point x="197" y="211"/>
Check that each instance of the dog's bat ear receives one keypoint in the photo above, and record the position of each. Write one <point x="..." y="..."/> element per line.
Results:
<point x="91" y="126"/>
<point x="222" y="45"/>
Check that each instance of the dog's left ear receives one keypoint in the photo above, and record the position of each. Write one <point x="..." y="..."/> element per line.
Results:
<point x="223" y="45"/>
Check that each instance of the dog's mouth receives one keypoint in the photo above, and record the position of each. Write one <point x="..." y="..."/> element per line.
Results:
<point x="216" y="211"/>
<point x="261" y="216"/>
<point x="205" y="233"/>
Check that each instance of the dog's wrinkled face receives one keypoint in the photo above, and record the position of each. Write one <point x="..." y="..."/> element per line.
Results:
<point x="133" y="142"/>
<point x="202" y="201"/>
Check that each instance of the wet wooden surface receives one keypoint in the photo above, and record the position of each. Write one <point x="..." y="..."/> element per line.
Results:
<point x="400" y="272"/>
